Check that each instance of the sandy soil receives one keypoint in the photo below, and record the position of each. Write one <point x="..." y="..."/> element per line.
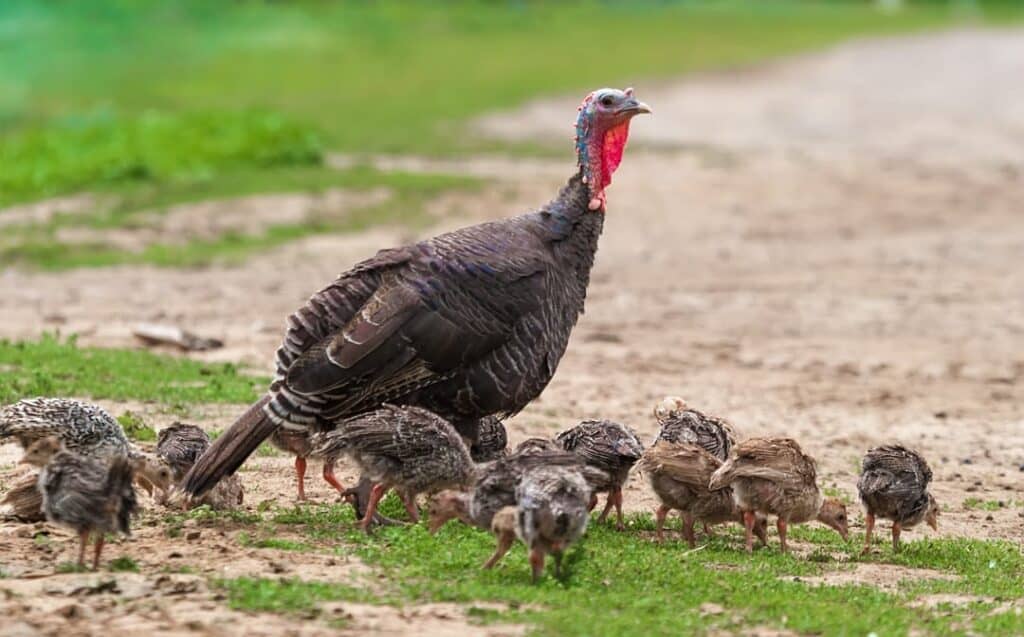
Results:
<point x="826" y="248"/>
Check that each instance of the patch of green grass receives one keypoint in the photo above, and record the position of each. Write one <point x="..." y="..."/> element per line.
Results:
<point x="286" y="595"/>
<point x="280" y="544"/>
<point x="207" y="515"/>
<point x="624" y="584"/>
<point x="135" y="428"/>
<point x="39" y="245"/>
<point x="840" y="494"/>
<point x="55" y="367"/>
<point x="71" y="567"/>
<point x="985" y="505"/>
<point x="123" y="564"/>
<point x="267" y="450"/>
<point x="74" y="153"/>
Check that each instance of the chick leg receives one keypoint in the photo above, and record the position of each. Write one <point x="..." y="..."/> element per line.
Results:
<point x="98" y="550"/>
<point x="607" y="507"/>
<point x="748" y="524"/>
<point x="558" y="564"/>
<point x="593" y="502"/>
<point x="620" y="525"/>
<point x="300" y="476"/>
<point x="780" y="524"/>
<point x="536" y="563"/>
<point x="359" y="497"/>
<point x="659" y="523"/>
<point x="83" y="540"/>
<point x="505" y="541"/>
<point x="688" y="523"/>
<point x="329" y="476"/>
<point x="409" y="500"/>
<point x="707" y="530"/>
<point x="376" y="494"/>
<point x="896" y="536"/>
<point x="869" y="527"/>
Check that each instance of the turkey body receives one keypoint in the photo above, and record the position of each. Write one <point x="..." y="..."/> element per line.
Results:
<point x="468" y="324"/>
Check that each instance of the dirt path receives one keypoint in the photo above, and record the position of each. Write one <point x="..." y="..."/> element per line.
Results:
<point x="827" y="248"/>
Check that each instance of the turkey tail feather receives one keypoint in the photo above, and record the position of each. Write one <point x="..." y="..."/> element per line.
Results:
<point x="230" y="450"/>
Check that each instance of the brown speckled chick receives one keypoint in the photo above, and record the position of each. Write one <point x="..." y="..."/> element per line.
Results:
<point x="495" y="490"/>
<point x="411" y="449"/>
<point x="611" y="447"/>
<point x="894" y="485"/>
<point x="679" y="475"/>
<point x="87" y="495"/>
<point x="552" y="513"/>
<point x="773" y="476"/>
<point x="179" y="446"/>
<point x="680" y="423"/>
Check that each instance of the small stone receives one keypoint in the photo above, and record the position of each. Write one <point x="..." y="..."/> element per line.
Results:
<point x="193" y="535"/>
<point x="989" y="518"/>
<point x="966" y="461"/>
<point x="278" y="568"/>
<point x="1021" y="467"/>
<point x="941" y="415"/>
<point x="70" y="611"/>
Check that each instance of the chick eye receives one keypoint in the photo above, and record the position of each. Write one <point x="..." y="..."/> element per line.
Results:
<point x="607" y="100"/>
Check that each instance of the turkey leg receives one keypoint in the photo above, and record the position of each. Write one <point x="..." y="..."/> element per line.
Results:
<point x="300" y="476"/>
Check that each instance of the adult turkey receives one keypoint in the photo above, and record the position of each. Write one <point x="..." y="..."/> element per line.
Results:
<point x="467" y="324"/>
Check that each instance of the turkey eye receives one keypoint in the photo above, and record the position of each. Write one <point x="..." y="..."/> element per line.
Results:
<point x="606" y="100"/>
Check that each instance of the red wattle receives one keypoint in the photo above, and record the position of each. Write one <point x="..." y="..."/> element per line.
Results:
<point x="611" y="152"/>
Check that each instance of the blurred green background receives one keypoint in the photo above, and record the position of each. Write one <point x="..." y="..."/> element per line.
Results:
<point x="161" y="102"/>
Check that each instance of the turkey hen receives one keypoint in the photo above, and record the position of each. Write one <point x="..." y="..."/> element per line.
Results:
<point x="467" y="324"/>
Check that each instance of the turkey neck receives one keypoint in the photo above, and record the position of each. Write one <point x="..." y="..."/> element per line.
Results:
<point x="573" y="231"/>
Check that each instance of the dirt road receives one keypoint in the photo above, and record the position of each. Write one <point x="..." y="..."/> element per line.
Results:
<point x="828" y="248"/>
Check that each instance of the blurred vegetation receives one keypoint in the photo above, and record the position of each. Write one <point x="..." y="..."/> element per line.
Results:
<point x="136" y="206"/>
<point x="108" y="90"/>
<point x="55" y="367"/>
<point x="75" y="153"/>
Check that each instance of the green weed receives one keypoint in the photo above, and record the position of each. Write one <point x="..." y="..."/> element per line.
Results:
<point x="135" y="428"/>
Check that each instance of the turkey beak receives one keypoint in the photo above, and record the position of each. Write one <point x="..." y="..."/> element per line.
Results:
<point x="633" y="106"/>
